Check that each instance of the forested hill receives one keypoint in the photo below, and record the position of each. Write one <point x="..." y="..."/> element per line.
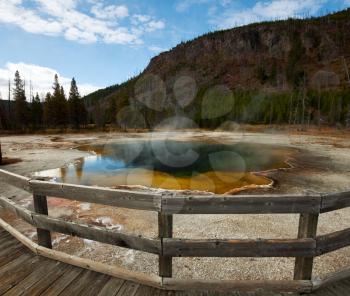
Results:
<point x="293" y="71"/>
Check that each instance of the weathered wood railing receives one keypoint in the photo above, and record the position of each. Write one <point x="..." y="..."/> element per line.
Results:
<point x="304" y="248"/>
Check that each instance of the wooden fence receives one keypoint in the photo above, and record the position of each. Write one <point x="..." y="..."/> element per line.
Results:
<point x="304" y="248"/>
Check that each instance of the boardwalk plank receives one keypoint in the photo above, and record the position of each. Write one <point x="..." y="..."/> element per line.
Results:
<point x="47" y="280"/>
<point x="16" y="252"/>
<point x="63" y="282"/>
<point x="145" y="291"/>
<point x="343" y="288"/>
<point x="8" y="241"/>
<point x="15" y="264"/>
<point x="100" y="281"/>
<point x="128" y="289"/>
<point x="112" y="287"/>
<point x="5" y="236"/>
<point x="23" y="273"/>
<point x="79" y="285"/>
<point x="18" y="274"/>
<point x="32" y="278"/>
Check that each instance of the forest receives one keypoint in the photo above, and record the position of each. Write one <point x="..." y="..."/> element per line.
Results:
<point x="55" y="110"/>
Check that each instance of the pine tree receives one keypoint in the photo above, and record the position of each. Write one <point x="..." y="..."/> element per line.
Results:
<point x="21" y="106"/>
<point x="59" y="105"/>
<point x="36" y="112"/>
<point x="112" y="110"/>
<point x="76" y="107"/>
<point x="48" y="110"/>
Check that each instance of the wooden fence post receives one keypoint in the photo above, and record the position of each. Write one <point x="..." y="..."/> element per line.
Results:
<point x="40" y="207"/>
<point x="307" y="229"/>
<point x="165" y="229"/>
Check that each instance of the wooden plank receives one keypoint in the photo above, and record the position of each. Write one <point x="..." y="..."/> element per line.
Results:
<point x="4" y="235"/>
<point x="115" y="271"/>
<point x="263" y="204"/>
<point x="128" y="288"/>
<point x="15" y="253"/>
<point x="62" y="282"/>
<point x="47" y="279"/>
<point x="79" y="285"/>
<point x="239" y="248"/>
<point x="19" y="211"/>
<point x="335" y="201"/>
<point x="165" y="229"/>
<point x="111" y="288"/>
<point x="333" y="241"/>
<point x="16" y="263"/>
<point x="16" y="273"/>
<point x="15" y="180"/>
<point x="19" y="236"/>
<point x="7" y="243"/>
<point x="307" y="229"/>
<point x="230" y="285"/>
<point x="36" y="275"/>
<point x="331" y="278"/>
<point x="99" y="195"/>
<point x="99" y="282"/>
<point x="145" y="291"/>
<point x="40" y="207"/>
<point x="99" y="234"/>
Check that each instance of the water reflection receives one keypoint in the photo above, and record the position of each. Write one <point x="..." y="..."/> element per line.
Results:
<point x="175" y="165"/>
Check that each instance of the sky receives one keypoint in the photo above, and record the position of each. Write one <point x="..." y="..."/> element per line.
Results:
<point x="104" y="42"/>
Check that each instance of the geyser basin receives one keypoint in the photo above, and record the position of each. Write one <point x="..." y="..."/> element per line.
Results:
<point x="176" y="165"/>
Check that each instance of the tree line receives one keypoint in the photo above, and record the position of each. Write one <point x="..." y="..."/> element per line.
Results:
<point x="56" y="110"/>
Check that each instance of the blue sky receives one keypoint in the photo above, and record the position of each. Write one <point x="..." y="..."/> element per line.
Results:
<point x="103" y="42"/>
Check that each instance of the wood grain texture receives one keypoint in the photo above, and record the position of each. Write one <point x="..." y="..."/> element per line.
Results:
<point x="165" y="230"/>
<point x="96" y="233"/>
<point x="40" y="207"/>
<point x="335" y="201"/>
<point x="307" y="229"/>
<point x="267" y="204"/>
<point x="99" y="195"/>
<point x="99" y="234"/>
<point x="15" y="180"/>
<point x="232" y="285"/>
<point x="239" y="248"/>
<point x="333" y="241"/>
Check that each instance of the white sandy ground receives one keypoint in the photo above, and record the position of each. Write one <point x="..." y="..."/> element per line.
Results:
<point x="323" y="165"/>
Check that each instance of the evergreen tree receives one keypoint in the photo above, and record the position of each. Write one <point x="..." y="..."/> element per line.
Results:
<point x="76" y="107"/>
<point x="112" y="110"/>
<point x="36" y="112"/>
<point x="21" y="106"/>
<point x="48" y="110"/>
<point x="59" y="105"/>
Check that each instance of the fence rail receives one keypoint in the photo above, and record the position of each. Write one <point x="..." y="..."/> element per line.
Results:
<point x="304" y="248"/>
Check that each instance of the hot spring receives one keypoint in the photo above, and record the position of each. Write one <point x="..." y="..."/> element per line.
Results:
<point x="176" y="165"/>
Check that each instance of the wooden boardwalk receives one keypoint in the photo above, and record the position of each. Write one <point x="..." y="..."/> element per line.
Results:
<point x="24" y="273"/>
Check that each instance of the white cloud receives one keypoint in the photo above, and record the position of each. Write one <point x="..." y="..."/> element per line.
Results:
<point x="156" y="49"/>
<point x="63" y="18"/>
<point x="268" y="10"/>
<point x="145" y="23"/>
<point x="183" y="5"/>
<point x="110" y="11"/>
<point x="40" y="77"/>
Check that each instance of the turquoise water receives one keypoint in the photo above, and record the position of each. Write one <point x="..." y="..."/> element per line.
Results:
<point x="153" y="163"/>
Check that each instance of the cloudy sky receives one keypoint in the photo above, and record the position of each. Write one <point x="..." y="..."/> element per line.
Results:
<point x="103" y="42"/>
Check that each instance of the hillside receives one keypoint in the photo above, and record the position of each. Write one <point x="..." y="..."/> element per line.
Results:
<point x="260" y="73"/>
